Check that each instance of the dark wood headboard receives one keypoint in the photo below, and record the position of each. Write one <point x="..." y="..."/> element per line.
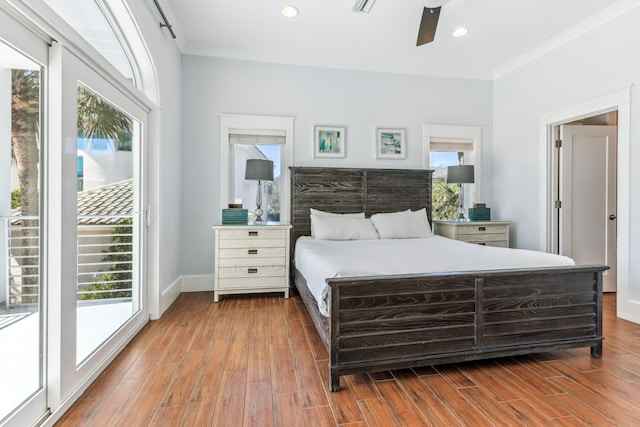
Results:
<point x="342" y="190"/>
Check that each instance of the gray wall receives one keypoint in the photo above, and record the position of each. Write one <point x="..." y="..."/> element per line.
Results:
<point x="164" y="181"/>
<point x="592" y="65"/>
<point x="361" y="101"/>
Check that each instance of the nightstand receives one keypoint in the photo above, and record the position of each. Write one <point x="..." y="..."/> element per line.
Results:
<point x="251" y="259"/>
<point x="489" y="233"/>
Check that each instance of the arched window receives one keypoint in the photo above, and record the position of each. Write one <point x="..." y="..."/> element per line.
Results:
<point x="93" y="21"/>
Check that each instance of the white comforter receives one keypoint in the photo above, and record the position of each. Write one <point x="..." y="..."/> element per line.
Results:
<point x="318" y="260"/>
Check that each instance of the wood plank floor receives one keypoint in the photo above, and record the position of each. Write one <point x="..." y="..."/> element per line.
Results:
<point x="257" y="361"/>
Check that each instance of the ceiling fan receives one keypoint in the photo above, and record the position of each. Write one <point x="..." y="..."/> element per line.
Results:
<point x="429" y="21"/>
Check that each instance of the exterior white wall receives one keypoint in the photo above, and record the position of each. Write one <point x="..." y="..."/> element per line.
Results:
<point x="592" y="65"/>
<point x="361" y="101"/>
<point x="247" y="190"/>
<point x="106" y="167"/>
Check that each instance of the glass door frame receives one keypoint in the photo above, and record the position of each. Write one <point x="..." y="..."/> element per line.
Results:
<point x="69" y="380"/>
<point x="33" y="45"/>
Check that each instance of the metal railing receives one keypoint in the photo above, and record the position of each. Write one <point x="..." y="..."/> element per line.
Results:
<point x="21" y="258"/>
<point x="105" y="259"/>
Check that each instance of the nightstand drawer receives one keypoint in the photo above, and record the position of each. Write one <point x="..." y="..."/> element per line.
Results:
<point x="252" y="234"/>
<point x="252" y="271"/>
<point x="482" y="238"/>
<point x="247" y="283"/>
<point x="250" y="262"/>
<point x="500" y="244"/>
<point x="250" y="244"/>
<point x="469" y="229"/>
<point x="255" y="252"/>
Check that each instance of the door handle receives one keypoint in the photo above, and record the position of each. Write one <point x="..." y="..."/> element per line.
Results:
<point x="612" y="217"/>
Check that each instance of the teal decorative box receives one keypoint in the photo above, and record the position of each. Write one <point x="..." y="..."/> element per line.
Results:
<point x="480" y="214"/>
<point x="235" y="216"/>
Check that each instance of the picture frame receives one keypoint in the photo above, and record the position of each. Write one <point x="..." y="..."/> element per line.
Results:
<point x="329" y="141"/>
<point x="391" y="143"/>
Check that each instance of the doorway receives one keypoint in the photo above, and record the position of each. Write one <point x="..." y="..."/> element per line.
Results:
<point x="627" y="293"/>
<point x="585" y="207"/>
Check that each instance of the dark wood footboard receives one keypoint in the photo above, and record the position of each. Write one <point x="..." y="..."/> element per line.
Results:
<point x="394" y="322"/>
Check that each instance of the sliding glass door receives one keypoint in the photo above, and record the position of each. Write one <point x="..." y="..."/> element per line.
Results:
<point x="97" y="201"/>
<point x="73" y="142"/>
<point x="108" y="220"/>
<point x="22" y="284"/>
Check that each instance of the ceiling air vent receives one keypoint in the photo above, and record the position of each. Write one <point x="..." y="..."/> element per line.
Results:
<point x="363" y="5"/>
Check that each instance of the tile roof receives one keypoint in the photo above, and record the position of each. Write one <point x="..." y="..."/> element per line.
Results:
<point x="112" y="199"/>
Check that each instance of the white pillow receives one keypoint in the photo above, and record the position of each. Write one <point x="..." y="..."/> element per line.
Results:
<point x="339" y="227"/>
<point x="316" y="212"/>
<point x="402" y="225"/>
<point x="352" y="215"/>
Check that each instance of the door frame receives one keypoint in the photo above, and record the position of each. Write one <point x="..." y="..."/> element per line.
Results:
<point x="619" y="100"/>
<point x="26" y="40"/>
<point x="68" y="379"/>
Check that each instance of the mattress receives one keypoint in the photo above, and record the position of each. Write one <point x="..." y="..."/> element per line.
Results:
<point x="319" y="260"/>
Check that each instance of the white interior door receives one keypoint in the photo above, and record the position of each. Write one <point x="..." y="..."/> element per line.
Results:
<point x="587" y="191"/>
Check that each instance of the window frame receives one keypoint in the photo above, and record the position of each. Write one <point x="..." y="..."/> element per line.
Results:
<point x="237" y="123"/>
<point x="431" y="133"/>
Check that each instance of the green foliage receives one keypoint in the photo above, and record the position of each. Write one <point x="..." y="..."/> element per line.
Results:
<point x="274" y="200"/>
<point x="445" y="199"/>
<point x="16" y="199"/>
<point x="117" y="282"/>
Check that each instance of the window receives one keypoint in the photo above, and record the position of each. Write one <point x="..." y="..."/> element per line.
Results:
<point x="88" y="18"/>
<point x="451" y="146"/>
<point x="107" y="230"/>
<point x="256" y="137"/>
<point x="80" y="173"/>
<point x="267" y="147"/>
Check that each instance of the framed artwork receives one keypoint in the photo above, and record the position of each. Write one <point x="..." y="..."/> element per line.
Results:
<point x="329" y="141"/>
<point x="390" y="144"/>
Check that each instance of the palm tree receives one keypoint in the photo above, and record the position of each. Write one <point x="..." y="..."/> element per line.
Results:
<point x="25" y="123"/>
<point x="96" y="119"/>
<point x="445" y="199"/>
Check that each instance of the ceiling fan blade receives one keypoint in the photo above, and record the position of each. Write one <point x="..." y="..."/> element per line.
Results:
<point x="428" y="25"/>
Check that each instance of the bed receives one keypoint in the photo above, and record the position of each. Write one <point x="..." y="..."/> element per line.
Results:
<point x="387" y="322"/>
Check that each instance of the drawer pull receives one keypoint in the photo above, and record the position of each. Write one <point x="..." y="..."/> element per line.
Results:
<point x="482" y="228"/>
<point x="252" y="252"/>
<point x="482" y="244"/>
<point x="253" y="233"/>
<point x="252" y="270"/>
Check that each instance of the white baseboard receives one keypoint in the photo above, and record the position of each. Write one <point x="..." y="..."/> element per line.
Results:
<point x="170" y="294"/>
<point x="185" y="284"/>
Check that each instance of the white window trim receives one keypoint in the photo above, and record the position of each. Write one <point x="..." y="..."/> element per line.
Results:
<point x="229" y="122"/>
<point x="432" y="132"/>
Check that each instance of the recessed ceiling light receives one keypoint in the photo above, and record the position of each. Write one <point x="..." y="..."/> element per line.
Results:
<point x="289" y="11"/>
<point x="459" y="32"/>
